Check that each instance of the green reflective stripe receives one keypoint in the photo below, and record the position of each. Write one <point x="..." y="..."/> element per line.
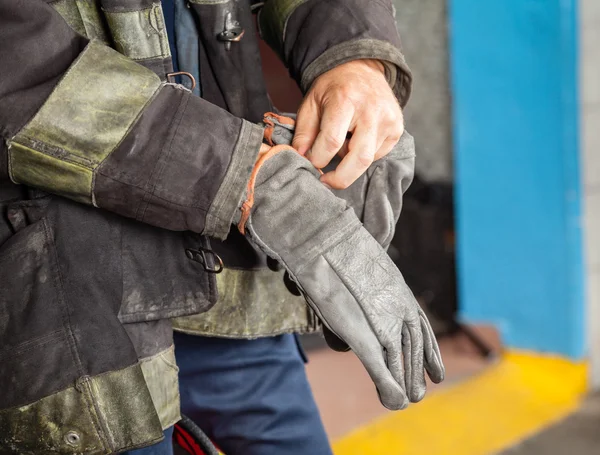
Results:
<point x="80" y="124"/>
<point x="101" y="414"/>
<point x="52" y="173"/>
<point x="140" y="34"/>
<point x="273" y="19"/>
<point x="83" y="16"/>
<point x="252" y="303"/>
<point x="160" y="372"/>
<point x="93" y="21"/>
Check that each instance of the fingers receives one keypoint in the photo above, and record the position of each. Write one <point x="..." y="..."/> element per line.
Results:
<point x="307" y="126"/>
<point x="386" y="147"/>
<point x="369" y="351"/>
<point x="413" y="356"/>
<point x="406" y="364"/>
<point x="361" y="152"/>
<point x="336" y="121"/>
<point x="432" y="355"/>
<point x="395" y="364"/>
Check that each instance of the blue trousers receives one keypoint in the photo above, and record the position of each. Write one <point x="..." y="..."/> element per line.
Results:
<point x="251" y="397"/>
<point x="162" y="448"/>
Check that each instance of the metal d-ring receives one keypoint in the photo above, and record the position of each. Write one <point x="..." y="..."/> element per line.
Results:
<point x="181" y="73"/>
<point x="200" y="255"/>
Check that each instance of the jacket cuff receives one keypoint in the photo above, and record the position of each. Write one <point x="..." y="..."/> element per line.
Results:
<point x="397" y="72"/>
<point x="229" y="196"/>
<point x="314" y="36"/>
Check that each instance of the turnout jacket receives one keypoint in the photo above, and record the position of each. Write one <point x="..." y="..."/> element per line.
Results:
<point x="112" y="180"/>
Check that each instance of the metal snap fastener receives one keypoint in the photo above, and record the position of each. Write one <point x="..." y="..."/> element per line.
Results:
<point x="72" y="438"/>
<point x="232" y="32"/>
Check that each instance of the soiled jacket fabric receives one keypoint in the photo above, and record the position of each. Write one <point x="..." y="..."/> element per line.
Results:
<point x="311" y="37"/>
<point x="112" y="179"/>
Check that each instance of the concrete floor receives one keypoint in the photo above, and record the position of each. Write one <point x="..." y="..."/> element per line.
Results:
<point x="346" y="396"/>
<point x="577" y="435"/>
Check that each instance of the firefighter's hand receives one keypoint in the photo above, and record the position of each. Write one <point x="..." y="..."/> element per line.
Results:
<point x="353" y="97"/>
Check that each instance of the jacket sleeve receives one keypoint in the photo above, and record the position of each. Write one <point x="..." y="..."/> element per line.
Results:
<point x="80" y="120"/>
<point x="314" y="36"/>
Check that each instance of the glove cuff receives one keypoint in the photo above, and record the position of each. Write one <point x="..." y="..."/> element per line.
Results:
<point x="247" y="205"/>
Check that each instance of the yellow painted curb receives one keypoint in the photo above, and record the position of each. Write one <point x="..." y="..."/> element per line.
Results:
<point x="511" y="400"/>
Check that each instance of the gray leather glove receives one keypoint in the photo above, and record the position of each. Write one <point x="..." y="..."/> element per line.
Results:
<point x="345" y="275"/>
<point x="376" y="196"/>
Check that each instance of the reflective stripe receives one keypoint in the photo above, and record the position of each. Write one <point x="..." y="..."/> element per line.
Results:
<point x="81" y="123"/>
<point x="140" y="34"/>
<point x="161" y="375"/>
<point x="252" y="303"/>
<point x="84" y="17"/>
<point x="101" y="414"/>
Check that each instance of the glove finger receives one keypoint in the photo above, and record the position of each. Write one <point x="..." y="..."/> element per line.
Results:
<point x="342" y="314"/>
<point x="395" y="363"/>
<point x="335" y="342"/>
<point x="370" y="353"/>
<point x="433" y="357"/>
<point x="416" y="385"/>
<point x="367" y="348"/>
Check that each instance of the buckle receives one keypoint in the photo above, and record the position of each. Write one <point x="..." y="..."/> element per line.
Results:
<point x="210" y="260"/>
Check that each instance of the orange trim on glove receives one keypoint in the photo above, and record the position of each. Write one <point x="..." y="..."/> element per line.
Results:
<point x="268" y="134"/>
<point x="262" y="157"/>
<point x="249" y="202"/>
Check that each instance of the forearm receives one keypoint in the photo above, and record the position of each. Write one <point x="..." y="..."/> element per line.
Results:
<point x="110" y="133"/>
<point x="353" y="29"/>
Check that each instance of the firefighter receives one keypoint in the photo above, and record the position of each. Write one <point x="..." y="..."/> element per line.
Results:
<point x="129" y="200"/>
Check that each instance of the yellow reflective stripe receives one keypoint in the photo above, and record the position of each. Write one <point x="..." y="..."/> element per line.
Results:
<point x="141" y="34"/>
<point x="84" y="119"/>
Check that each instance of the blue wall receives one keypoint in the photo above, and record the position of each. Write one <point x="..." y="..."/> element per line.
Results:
<point x="514" y="83"/>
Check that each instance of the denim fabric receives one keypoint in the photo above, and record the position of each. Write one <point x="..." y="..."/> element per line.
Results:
<point x="186" y="42"/>
<point x="165" y="447"/>
<point x="168" y="7"/>
<point x="251" y="397"/>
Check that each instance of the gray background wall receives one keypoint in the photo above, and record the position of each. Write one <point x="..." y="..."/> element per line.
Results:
<point x="589" y="93"/>
<point x="423" y="29"/>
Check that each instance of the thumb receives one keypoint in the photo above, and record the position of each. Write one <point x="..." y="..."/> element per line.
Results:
<point x="307" y="127"/>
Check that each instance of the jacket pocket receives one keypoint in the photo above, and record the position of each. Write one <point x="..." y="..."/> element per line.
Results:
<point x="160" y="280"/>
<point x="35" y="356"/>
